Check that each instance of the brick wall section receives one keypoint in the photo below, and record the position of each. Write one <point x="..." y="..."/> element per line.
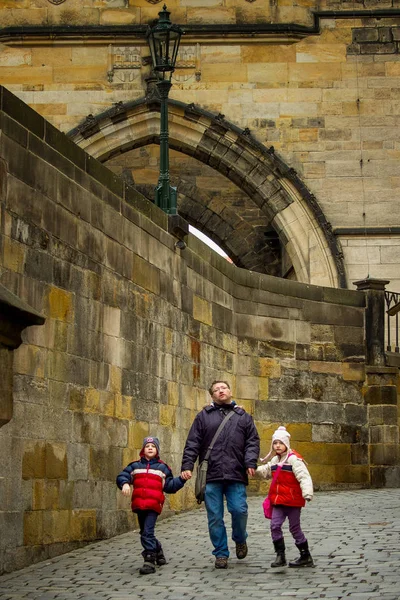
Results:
<point x="375" y="40"/>
<point x="135" y="330"/>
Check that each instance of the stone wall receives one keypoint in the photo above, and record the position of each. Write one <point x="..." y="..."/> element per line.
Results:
<point x="135" y="329"/>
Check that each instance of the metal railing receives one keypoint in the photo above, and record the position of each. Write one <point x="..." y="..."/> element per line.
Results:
<point x="392" y="300"/>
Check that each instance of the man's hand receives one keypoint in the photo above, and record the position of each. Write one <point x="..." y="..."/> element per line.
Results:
<point x="251" y="472"/>
<point x="126" y="489"/>
<point x="186" y="475"/>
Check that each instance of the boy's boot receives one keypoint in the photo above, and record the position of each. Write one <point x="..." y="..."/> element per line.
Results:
<point x="280" y="560"/>
<point x="149" y="565"/>
<point x="160" y="558"/>
<point x="305" y="559"/>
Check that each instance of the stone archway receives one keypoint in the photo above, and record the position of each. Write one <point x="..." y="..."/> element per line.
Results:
<point x="291" y="210"/>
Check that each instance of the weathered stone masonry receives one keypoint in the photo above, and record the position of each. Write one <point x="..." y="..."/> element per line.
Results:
<point x="134" y="331"/>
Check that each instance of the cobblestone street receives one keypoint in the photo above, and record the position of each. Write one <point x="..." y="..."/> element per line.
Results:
<point x="353" y="536"/>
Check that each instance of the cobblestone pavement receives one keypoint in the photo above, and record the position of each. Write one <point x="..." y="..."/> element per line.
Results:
<point x="354" y="538"/>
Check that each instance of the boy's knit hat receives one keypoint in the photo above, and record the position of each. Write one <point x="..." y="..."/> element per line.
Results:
<point x="283" y="436"/>
<point x="151" y="440"/>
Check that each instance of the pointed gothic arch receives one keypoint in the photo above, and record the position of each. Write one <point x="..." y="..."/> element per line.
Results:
<point x="292" y="211"/>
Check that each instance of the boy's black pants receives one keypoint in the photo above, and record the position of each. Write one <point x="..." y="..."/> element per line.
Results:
<point x="147" y="523"/>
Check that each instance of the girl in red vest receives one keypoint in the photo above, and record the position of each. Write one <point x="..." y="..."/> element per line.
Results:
<point x="150" y="478"/>
<point x="291" y="486"/>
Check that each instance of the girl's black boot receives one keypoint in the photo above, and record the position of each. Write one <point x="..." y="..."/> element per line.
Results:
<point x="280" y="560"/>
<point x="305" y="559"/>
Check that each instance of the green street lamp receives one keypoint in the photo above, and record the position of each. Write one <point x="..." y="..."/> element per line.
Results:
<point x="163" y="39"/>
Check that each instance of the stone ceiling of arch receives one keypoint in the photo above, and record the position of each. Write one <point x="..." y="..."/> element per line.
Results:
<point x="211" y="203"/>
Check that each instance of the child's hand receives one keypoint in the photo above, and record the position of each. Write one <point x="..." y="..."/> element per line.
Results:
<point x="308" y="498"/>
<point x="126" y="489"/>
<point x="186" y="475"/>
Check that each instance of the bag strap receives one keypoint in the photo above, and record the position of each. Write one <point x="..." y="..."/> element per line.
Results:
<point x="279" y="467"/>
<point x="220" y="428"/>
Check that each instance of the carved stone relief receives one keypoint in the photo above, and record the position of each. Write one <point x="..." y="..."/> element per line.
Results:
<point x="124" y="63"/>
<point x="187" y="63"/>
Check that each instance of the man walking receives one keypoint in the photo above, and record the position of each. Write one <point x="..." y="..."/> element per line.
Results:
<point x="232" y="459"/>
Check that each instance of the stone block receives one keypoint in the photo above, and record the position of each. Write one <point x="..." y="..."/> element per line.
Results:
<point x="360" y="454"/>
<point x="353" y="474"/>
<point x="145" y="275"/>
<point x="30" y="360"/>
<point x="384" y="454"/>
<point x="56" y="526"/>
<point x="222" y="318"/>
<point x="355" y="414"/>
<point x="381" y="395"/>
<point x="272" y="411"/>
<point x="323" y="475"/>
<point x="14" y="255"/>
<point x="384" y="434"/>
<point x="300" y="432"/>
<point x="353" y="372"/>
<point x="263" y="388"/>
<point x="34" y="459"/>
<point x="388" y="477"/>
<point x="173" y="393"/>
<point x="326" y="454"/>
<point x="56" y="461"/>
<point x="124" y="407"/>
<point x="325" y="432"/>
<point x="167" y="415"/>
<point x="78" y="462"/>
<point x="365" y="34"/>
<point x="83" y="525"/>
<point x="202" y="310"/>
<point x="293" y="385"/>
<point x="111" y="320"/>
<point x="320" y="412"/>
<point x="137" y="432"/>
<point x="247" y="388"/>
<point x="60" y="304"/>
<point x="269" y="367"/>
<point x="335" y="368"/>
<point x="33" y="528"/>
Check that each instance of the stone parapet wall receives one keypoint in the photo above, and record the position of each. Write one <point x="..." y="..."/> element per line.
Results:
<point x="135" y="331"/>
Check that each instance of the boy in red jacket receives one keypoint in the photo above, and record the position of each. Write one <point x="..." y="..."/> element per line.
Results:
<point x="150" y="478"/>
<point x="291" y="486"/>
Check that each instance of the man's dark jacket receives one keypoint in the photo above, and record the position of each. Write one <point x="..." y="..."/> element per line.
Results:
<point x="236" y="449"/>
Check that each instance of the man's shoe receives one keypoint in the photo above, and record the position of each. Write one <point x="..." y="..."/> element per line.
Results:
<point x="221" y="562"/>
<point x="241" y="550"/>
<point x="160" y="558"/>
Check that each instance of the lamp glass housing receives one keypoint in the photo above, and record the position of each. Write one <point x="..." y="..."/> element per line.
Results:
<point x="164" y="38"/>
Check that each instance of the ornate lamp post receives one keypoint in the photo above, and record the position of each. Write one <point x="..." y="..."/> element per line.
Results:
<point x="163" y="39"/>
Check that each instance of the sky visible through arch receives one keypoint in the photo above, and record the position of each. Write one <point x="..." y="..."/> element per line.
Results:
<point x="209" y="242"/>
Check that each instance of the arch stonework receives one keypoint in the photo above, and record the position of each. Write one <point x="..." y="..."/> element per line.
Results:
<point x="292" y="211"/>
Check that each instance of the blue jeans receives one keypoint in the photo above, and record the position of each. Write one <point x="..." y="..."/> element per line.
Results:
<point x="147" y="522"/>
<point x="236" y="501"/>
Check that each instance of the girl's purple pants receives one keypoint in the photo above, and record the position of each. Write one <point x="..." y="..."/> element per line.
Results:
<point x="279" y="514"/>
